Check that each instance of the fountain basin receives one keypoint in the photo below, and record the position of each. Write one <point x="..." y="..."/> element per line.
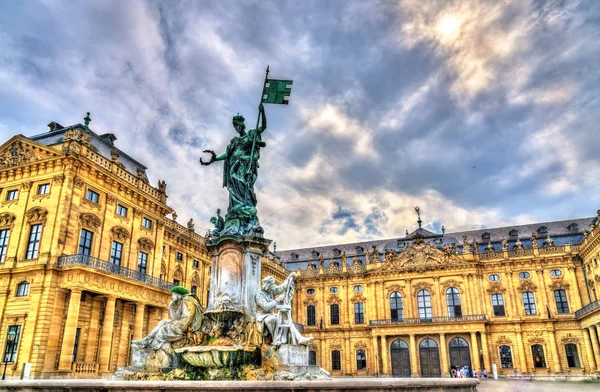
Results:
<point x="220" y="356"/>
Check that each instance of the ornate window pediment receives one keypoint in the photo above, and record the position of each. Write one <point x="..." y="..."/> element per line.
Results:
<point x="396" y="287"/>
<point x="536" y="336"/>
<point x="422" y="286"/>
<point x="119" y="233"/>
<point x="568" y="338"/>
<point x="7" y="220"/>
<point x="37" y="215"/>
<point x="146" y="245"/>
<point x="496" y="288"/>
<point x="452" y="283"/>
<point x="503" y="340"/>
<point x="90" y="221"/>
<point x="178" y="275"/>
<point x="526" y="285"/>
<point x="358" y="297"/>
<point x="558" y="284"/>
<point x="333" y="299"/>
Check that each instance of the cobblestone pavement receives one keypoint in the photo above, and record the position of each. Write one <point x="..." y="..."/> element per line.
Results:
<point x="536" y="386"/>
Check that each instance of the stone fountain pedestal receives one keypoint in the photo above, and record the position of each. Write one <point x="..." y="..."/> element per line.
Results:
<point x="235" y="275"/>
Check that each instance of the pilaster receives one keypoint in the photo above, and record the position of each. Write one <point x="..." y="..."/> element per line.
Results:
<point x="385" y="356"/>
<point x="475" y="351"/>
<point x="555" y="358"/>
<point x="68" y="342"/>
<point x="138" y="327"/>
<point x="107" y="335"/>
<point x="486" y="352"/>
<point x="414" y="369"/>
<point x="589" y="351"/>
<point x="444" y="356"/>
<point x="596" y="346"/>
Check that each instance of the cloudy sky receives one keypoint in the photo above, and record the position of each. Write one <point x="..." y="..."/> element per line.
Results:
<point x="484" y="113"/>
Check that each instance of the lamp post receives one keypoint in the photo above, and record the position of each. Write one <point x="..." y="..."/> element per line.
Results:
<point x="10" y="340"/>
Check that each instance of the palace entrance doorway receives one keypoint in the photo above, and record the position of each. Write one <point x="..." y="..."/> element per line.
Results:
<point x="460" y="355"/>
<point x="429" y="355"/>
<point x="400" y="359"/>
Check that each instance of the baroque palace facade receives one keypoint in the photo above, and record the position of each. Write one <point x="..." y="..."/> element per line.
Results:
<point x="88" y="255"/>
<point x="523" y="298"/>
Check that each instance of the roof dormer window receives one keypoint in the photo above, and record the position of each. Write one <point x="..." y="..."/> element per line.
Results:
<point x="513" y="233"/>
<point x="573" y="227"/>
<point x="486" y="236"/>
<point x="294" y="256"/>
<point x="315" y="254"/>
<point x="337" y="252"/>
<point x="542" y="230"/>
<point x="359" y="250"/>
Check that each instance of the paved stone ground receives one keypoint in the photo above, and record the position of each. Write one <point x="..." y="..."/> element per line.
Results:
<point x="536" y="386"/>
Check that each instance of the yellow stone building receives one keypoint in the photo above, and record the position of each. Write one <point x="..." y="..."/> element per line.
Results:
<point x="87" y="254"/>
<point x="522" y="298"/>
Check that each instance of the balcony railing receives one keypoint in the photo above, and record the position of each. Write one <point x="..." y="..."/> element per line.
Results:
<point x="116" y="269"/>
<point x="587" y="308"/>
<point x="431" y="320"/>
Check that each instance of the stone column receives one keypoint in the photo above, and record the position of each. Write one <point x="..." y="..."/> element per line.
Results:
<point x="107" y="335"/>
<point x="68" y="342"/>
<point x="542" y="295"/>
<point x="513" y="297"/>
<point x="139" y="320"/>
<point x="375" y="355"/>
<point x="588" y="349"/>
<point x="475" y="351"/>
<point x="486" y="352"/>
<point x="93" y="331"/>
<point x="555" y="358"/>
<point x="522" y="358"/>
<point x="444" y="355"/>
<point x="596" y="345"/>
<point x="438" y="298"/>
<point x="385" y="356"/>
<point x="413" y="356"/>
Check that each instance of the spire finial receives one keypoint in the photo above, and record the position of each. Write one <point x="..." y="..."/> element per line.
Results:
<point x="443" y="230"/>
<point x="418" y="211"/>
<point x="274" y="247"/>
<point x="87" y="119"/>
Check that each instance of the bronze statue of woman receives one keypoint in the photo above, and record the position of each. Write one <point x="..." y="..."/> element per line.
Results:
<point x="240" y="171"/>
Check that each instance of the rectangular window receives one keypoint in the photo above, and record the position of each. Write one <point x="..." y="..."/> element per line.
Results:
<point x="13" y="194"/>
<point x="115" y="253"/>
<point x="92" y="196"/>
<point x="34" y="242"/>
<point x="121" y="210"/>
<point x="359" y="313"/>
<point x="529" y="303"/>
<point x="76" y="345"/>
<point x="176" y="282"/>
<point x="506" y="357"/>
<point x="196" y="263"/>
<point x="4" y="235"/>
<point x="560" y="296"/>
<point x="85" y="242"/>
<point x="572" y="357"/>
<point x="43" y="189"/>
<point x="194" y="290"/>
<point x="361" y="360"/>
<point x="23" y="289"/>
<point x="12" y="344"/>
<point x="179" y="256"/>
<point x="142" y="263"/>
<point x="336" y="360"/>
<point x="311" y="315"/>
<point x="498" y="303"/>
<point x="312" y="358"/>
<point x="147" y="223"/>
<point x="334" y="313"/>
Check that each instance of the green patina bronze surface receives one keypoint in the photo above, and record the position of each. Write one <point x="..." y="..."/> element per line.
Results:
<point x="240" y="169"/>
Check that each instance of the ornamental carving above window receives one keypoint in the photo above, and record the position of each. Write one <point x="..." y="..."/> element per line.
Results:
<point x="37" y="215"/>
<point x="422" y="286"/>
<point x="452" y="283"/>
<point x="503" y="340"/>
<point x="145" y="244"/>
<point x="7" y="219"/>
<point x="496" y="288"/>
<point x="119" y="233"/>
<point x="568" y="338"/>
<point x="526" y="285"/>
<point x="90" y="221"/>
<point x="395" y="287"/>
<point x="558" y="284"/>
<point x="333" y="299"/>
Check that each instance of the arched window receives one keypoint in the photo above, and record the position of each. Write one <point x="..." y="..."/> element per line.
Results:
<point x="399" y="345"/>
<point x="537" y="351"/>
<point x="312" y="358"/>
<point x="428" y="343"/>
<point x="361" y="360"/>
<point x="498" y="304"/>
<point x="396" y="307"/>
<point x="529" y="303"/>
<point x="424" y="302"/>
<point x="506" y="357"/>
<point x="458" y="342"/>
<point x="334" y="314"/>
<point x="23" y="289"/>
<point x="359" y="313"/>
<point x="336" y="360"/>
<point x="311" y="315"/>
<point x="562" y="306"/>
<point x="453" y="302"/>
<point x="572" y="357"/>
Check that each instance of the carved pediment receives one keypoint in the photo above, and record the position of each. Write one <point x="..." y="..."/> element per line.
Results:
<point x="503" y="340"/>
<point x="335" y="344"/>
<point x="7" y="219"/>
<point x="422" y="286"/>
<point x="558" y="284"/>
<point x="496" y="288"/>
<point x="37" y="215"/>
<point x="310" y="300"/>
<point x="568" y="338"/>
<point x="396" y="287"/>
<point x="19" y="150"/>
<point x="333" y="299"/>
<point x="358" y="297"/>
<point x="526" y="285"/>
<point x="452" y="283"/>
<point x="420" y="257"/>
<point x="90" y="221"/>
<point x="360" y="346"/>
<point x="536" y="336"/>
<point x="145" y="244"/>
<point x="119" y="233"/>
